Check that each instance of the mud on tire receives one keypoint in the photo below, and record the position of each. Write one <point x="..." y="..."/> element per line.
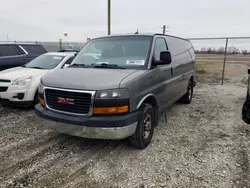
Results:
<point x="145" y="127"/>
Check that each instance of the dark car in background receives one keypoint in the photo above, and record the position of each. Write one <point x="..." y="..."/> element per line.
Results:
<point x="246" y="105"/>
<point x="17" y="54"/>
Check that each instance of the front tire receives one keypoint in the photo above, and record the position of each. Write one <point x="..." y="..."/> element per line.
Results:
<point x="145" y="127"/>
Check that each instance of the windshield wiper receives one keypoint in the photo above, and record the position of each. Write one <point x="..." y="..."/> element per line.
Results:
<point x="35" y="67"/>
<point x="105" y="65"/>
<point x="77" y="65"/>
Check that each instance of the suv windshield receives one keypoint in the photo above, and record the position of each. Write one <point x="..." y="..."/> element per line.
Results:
<point x="45" y="61"/>
<point x="121" y="52"/>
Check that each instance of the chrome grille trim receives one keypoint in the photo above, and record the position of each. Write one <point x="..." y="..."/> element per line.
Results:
<point x="71" y="90"/>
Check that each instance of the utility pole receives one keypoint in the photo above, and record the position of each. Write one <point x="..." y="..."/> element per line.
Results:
<point x="109" y="14"/>
<point x="164" y="29"/>
<point x="224" y="62"/>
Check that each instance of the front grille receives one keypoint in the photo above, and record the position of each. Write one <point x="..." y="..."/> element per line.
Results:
<point x="5" y="81"/>
<point x="80" y="102"/>
<point x="3" y="89"/>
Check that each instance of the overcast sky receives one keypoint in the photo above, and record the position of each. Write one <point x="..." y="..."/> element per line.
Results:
<point x="47" y="20"/>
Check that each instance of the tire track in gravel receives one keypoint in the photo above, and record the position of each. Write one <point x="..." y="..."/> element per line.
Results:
<point x="80" y="166"/>
<point x="28" y="174"/>
<point x="27" y="142"/>
<point x="82" y="177"/>
<point x="31" y="158"/>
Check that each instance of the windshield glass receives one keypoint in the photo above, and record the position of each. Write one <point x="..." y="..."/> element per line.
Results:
<point x="128" y="52"/>
<point x="45" y="61"/>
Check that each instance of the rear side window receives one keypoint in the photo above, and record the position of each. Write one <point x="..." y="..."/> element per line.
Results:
<point x="160" y="45"/>
<point x="10" y="50"/>
<point x="34" y="49"/>
<point x="178" y="46"/>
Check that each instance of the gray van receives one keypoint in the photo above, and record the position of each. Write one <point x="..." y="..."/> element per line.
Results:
<point x="117" y="87"/>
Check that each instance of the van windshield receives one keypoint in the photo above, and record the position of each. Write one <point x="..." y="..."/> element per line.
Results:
<point x="124" y="52"/>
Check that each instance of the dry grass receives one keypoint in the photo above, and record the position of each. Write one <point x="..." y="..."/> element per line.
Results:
<point x="236" y="65"/>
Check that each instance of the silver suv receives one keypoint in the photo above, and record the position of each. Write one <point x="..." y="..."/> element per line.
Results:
<point x="117" y="87"/>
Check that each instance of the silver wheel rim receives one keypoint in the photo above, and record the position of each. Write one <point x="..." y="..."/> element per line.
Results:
<point x="146" y="126"/>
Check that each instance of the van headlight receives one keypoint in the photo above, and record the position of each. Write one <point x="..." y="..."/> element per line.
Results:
<point x="112" y="94"/>
<point x="111" y="102"/>
<point x="22" y="81"/>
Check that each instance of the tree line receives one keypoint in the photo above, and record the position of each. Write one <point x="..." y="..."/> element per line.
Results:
<point x="221" y="50"/>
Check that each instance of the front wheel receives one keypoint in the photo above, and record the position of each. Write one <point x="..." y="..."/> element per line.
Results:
<point x="145" y="127"/>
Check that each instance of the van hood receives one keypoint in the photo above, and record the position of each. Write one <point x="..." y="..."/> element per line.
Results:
<point x="86" y="78"/>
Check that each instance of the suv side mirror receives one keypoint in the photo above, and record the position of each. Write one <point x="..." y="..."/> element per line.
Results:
<point x="65" y="65"/>
<point x="165" y="58"/>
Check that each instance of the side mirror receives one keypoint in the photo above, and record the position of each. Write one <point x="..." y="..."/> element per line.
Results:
<point x="165" y="58"/>
<point x="65" y="65"/>
<point x="248" y="71"/>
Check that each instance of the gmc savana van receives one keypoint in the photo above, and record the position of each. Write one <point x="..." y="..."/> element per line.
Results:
<point x="117" y="87"/>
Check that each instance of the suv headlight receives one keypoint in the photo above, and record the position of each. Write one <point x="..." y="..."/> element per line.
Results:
<point x="112" y="101"/>
<point x="22" y="81"/>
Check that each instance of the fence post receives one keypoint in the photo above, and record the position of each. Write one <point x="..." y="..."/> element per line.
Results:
<point x="224" y="63"/>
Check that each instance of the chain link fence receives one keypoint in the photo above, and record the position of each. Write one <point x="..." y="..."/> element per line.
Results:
<point x="218" y="60"/>
<point x="222" y="60"/>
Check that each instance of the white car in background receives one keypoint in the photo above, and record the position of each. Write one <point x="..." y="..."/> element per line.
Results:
<point x="19" y="85"/>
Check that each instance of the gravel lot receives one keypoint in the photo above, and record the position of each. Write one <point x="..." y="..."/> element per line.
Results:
<point x="204" y="144"/>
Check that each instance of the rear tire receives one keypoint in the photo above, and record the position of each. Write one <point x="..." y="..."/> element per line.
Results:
<point x="187" y="98"/>
<point x="145" y="127"/>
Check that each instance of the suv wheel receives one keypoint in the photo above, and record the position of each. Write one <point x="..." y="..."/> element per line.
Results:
<point x="145" y="127"/>
<point x="187" y="98"/>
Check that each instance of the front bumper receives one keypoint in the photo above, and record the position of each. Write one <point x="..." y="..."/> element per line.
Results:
<point x="13" y="94"/>
<point x="99" y="127"/>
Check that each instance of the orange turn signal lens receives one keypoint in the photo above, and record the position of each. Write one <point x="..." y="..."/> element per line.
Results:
<point x="42" y="101"/>
<point x="110" y="110"/>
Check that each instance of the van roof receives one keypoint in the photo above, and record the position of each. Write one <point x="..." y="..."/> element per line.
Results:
<point x="140" y="34"/>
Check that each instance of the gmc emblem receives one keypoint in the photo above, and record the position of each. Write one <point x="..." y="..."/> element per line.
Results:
<point x="65" y="100"/>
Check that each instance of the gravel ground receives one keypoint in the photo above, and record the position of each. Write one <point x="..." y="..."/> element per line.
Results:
<point x="204" y="144"/>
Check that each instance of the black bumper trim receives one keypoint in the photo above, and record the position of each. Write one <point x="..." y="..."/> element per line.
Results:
<point x="7" y="102"/>
<point x="94" y="121"/>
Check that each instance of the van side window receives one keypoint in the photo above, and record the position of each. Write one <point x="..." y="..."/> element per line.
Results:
<point x="160" y="45"/>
